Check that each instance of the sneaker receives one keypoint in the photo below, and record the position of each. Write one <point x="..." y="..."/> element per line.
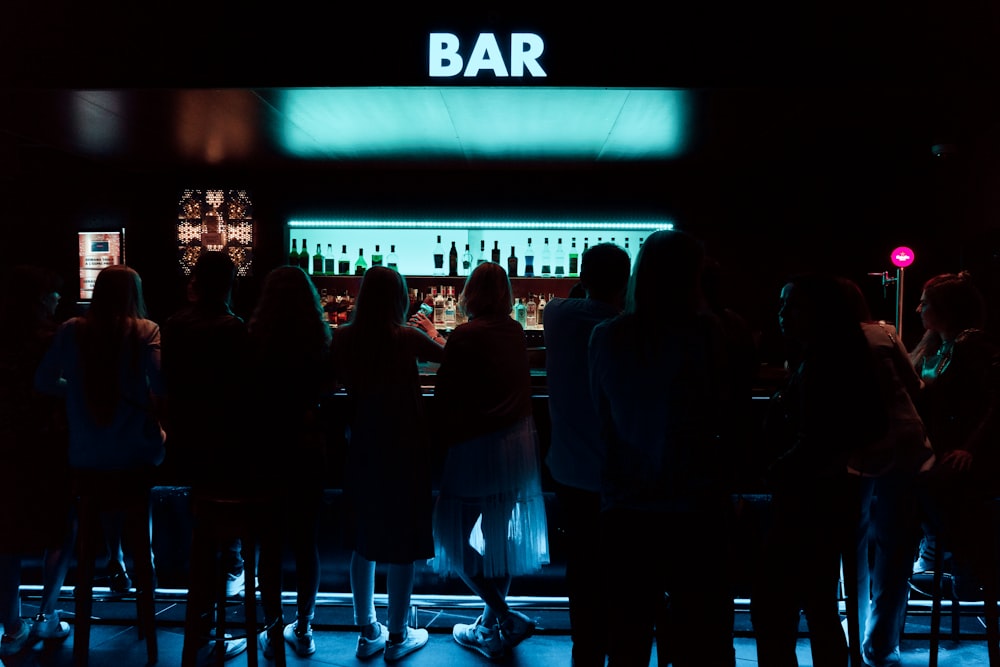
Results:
<point x="49" y="628"/>
<point x="119" y="583"/>
<point x="266" y="647"/>
<point x="414" y="639"/>
<point x="15" y="643"/>
<point x="891" y="660"/>
<point x="370" y="647"/>
<point x="301" y="642"/>
<point x="231" y="648"/>
<point x="479" y="638"/>
<point x="515" y="629"/>
<point x="235" y="583"/>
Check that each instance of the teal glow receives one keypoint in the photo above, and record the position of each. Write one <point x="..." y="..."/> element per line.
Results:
<point x="483" y="123"/>
<point x="482" y="224"/>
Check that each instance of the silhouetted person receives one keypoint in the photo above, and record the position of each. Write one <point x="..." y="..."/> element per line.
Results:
<point x="576" y="452"/>
<point x="34" y="476"/>
<point x="960" y="404"/>
<point x="831" y="407"/>
<point x="205" y="360"/>
<point x="659" y="380"/>
<point x="388" y="481"/>
<point x="886" y="470"/>
<point x="290" y="345"/>
<point x="489" y="518"/>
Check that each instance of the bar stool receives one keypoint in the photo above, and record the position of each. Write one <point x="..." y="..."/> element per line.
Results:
<point x="218" y="520"/>
<point x="98" y="492"/>
<point x="990" y="591"/>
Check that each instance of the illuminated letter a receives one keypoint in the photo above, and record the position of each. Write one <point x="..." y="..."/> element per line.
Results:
<point x="444" y="58"/>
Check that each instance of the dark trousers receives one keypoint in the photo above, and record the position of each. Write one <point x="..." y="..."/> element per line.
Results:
<point x="683" y="555"/>
<point x="580" y="511"/>
<point x="800" y="571"/>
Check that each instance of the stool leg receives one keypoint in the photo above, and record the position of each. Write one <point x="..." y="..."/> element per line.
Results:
<point x="250" y="599"/>
<point x="219" y="585"/>
<point x="200" y="587"/>
<point x="936" y="604"/>
<point x="991" y="584"/>
<point x="83" y="592"/>
<point x="137" y="520"/>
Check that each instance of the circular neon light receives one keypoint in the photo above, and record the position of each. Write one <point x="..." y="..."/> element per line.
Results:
<point x="902" y="257"/>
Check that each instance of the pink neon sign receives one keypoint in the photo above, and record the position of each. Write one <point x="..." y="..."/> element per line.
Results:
<point x="902" y="257"/>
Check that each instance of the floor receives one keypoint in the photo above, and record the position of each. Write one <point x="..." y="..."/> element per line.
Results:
<point x="114" y="641"/>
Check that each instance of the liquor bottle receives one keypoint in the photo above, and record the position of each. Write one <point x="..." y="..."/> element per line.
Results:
<point x="439" y="304"/>
<point x="438" y="258"/>
<point x="392" y="261"/>
<point x="460" y="315"/>
<point x="586" y="244"/>
<point x="453" y="260"/>
<point x="466" y="261"/>
<point x="482" y="253"/>
<point x="512" y="264"/>
<point x="343" y="262"/>
<point x="541" y="310"/>
<point x="529" y="261"/>
<point x="304" y="257"/>
<point x="531" y="312"/>
<point x="360" y="266"/>
<point x="520" y="313"/>
<point x="293" y="254"/>
<point x="449" y="309"/>
<point x="546" y="259"/>
<point x="560" y="263"/>
<point x="329" y="261"/>
<point x="574" y="259"/>
<point x="377" y="256"/>
<point x="495" y="253"/>
<point x="318" y="263"/>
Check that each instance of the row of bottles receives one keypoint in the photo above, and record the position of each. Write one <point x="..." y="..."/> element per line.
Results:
<point x="529" y="313"/>
<point x="441" y="307"/>
<point x="552" y="261"/>
<point x="339" y="265"/>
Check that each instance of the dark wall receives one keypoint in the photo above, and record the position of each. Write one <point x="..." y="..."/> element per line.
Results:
<point x="763" y="217"/>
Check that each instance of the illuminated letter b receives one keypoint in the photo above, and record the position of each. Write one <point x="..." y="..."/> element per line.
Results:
<point x="444" y="58"/>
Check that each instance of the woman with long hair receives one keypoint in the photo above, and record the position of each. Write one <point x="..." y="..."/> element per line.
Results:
<point x="658" y="378"/>
<point x="33" y="444"/>
<point x="387" y="482"/>
<point x="960" y="404"/>
<point x="289" y="344"/>
<point x="489" y="519"/>
<point x="107" y="365"/>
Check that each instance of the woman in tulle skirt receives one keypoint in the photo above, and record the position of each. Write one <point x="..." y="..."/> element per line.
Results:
<point x="489" y="519"/>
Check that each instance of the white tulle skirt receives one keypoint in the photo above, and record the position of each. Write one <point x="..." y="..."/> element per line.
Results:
<point x="489" y="516"/>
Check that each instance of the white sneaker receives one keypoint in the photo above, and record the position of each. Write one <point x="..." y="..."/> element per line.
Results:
<point x="235" y="583"/>
<point x="302" y="643"/>
<point x="414" y="639"/>
<point x="370" y="647"/>
<point x="49" y="627"/>
<point x="230" y="647"/>
<point x="479" y="638"/>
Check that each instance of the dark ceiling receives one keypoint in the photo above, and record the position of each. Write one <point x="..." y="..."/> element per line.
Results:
<point x="770" y="81"/>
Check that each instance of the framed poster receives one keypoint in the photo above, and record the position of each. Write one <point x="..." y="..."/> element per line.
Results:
<point x="98" y="250"/>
